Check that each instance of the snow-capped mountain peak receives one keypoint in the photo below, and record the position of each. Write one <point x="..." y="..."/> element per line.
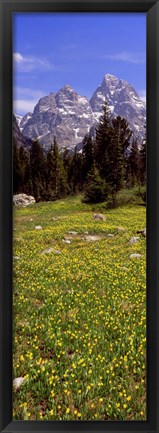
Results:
<point x="69" y="116"/>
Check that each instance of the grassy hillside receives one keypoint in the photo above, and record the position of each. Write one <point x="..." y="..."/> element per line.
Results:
<point x="79" y="313"/>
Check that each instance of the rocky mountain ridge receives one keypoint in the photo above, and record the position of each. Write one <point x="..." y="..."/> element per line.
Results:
<point x="69" y="116"/>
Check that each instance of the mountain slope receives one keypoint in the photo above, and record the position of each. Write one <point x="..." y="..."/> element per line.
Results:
<point x="18" y="135"/>
<point x="69" y="116"/>
<point x="122" y="99"/>
<point x="66" y="115"/>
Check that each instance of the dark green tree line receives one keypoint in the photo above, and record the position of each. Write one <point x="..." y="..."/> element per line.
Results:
<point x="108" y="162"/>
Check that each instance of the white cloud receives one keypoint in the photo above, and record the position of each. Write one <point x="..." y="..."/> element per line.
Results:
<point x="124" y="56"/>
<point x="30" y="63"/>
<point x="25" y="99"/>
<point x="17" y="57"/>
<point x="22" y="106"/>
<point x="23" y="92"/>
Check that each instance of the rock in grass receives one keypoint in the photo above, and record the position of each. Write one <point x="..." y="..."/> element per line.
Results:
<point x="99" y="217"/>
<point x="17" y="382"/>
<point x="142" y="232"/>
<point x="93" y="238"/>
<point x="110" y="235"/>
<point x="47" y="251"/>
<point x="57" y="252"/>
<point x="134" y="240"/>
<point x="23" y="199"/>
<point x="67" y="241"/>
<point x="38" y="228"/>
<point x="72" y="233"/>
<point x="135" y="256"/>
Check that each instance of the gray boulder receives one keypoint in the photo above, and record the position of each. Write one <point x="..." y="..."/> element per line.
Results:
<point x="99" y="217"/>
<point x="135" y="256"/>
<point x="67" y="241"/>
<point x="23" y="199"/>
<point x="134" y="240"/>
<point x="47" y="251"/>
<point x="90" y="238"/>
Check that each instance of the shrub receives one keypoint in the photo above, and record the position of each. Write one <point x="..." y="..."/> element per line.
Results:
<point x="96" y="189"/>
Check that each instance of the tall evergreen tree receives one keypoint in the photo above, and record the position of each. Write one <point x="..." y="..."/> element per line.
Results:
<point x="143" y="161"/>
<point x="102" y="147"/>
<point x="76" y="181"/>
<point x="67" y="162"/>
<point x="24" y="158"/>
<point x="16" y="168"/>
<point x="56" y="175"/>
<point x="121" y="135"/>
<point x="112" y="139"/>
<point x="123" y="131"/>
<point x="95" y="190"/>
<point x="38" y="170"/>
<point x="87" y="155"/>
<point x="134" y="163"/>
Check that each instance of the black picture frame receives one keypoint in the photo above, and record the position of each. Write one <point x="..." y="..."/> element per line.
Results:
<point x="151" y="8"/>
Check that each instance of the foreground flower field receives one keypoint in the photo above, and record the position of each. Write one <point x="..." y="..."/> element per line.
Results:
<point x="79" y="310"/>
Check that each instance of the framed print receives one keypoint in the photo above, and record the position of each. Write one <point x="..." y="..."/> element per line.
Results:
<point x="79" y="216"/>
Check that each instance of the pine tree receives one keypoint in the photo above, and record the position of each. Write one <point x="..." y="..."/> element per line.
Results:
<point x="38" y="170"/>
<point x="124" y="133"/>
<point x="24" y="158"/>
<point x="56" y="175"/>
<point x="102" y="146"/>
<point x="112" y="140"/>
<point x="67" y="161"/>
<point x="51" y="194"/>
<point x="121" y="135"/>
<point x="95" y="190"/>
<point x="134" y="163"/>
<point x="76" y="181"/>
<point x="87" y="155"/>
<point x="16" y="168"/>
<point x="143" y="161"/>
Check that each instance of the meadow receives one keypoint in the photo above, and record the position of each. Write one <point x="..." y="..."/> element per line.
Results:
<point x="79" y="309"/>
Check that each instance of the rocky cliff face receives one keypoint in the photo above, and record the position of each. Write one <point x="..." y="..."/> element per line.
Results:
<point x="18" y="136"/>
<point x="123" y="100"/>
<point x="69" y="116"/>
<point x="66" y="115"/>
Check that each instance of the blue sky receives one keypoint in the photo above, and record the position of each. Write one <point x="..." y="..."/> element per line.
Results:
<point x="54" y="49"/>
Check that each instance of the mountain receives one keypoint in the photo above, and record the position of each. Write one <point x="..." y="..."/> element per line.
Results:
<point x="66" y="115"/>
<point x="123" y="101"/>
<point x="69" y="116"/>
<point x="20" y="139"/>
<point x="24" y="120"/>
<point x="18" y="119"/>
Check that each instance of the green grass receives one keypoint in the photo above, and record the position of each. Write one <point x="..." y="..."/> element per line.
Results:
<point x="79" y="316"/>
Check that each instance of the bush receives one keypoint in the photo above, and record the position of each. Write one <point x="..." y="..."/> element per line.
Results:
<point x="142" y="194"/>
<point x="95" y="189"/>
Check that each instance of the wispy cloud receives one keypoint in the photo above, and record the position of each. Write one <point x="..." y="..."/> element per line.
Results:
<point x="124" y="56"/>
<point x="23" y="92"/>
<point x="23" y="106"/>
<point x="25" y="99"/>
<point x="31" y="63"/>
